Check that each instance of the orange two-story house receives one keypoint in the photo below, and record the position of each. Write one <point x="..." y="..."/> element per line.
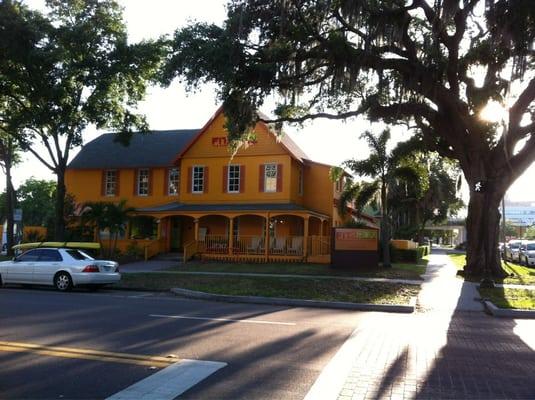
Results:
<point x="268" y="202"/>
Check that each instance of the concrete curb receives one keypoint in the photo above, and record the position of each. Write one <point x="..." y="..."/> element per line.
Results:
<point x="508" y="312"/>
<point x="394" y="308"/>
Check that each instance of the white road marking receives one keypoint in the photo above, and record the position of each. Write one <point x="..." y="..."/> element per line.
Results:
<point x="170" y="382"/>
<point x="244" y="321"/>
<point x="332" y="378"/>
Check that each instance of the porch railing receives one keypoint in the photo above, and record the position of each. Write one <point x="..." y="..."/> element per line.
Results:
<point x="216" y="244"/>
<point x="319" y="245"/>
<point x="280" y="245"/>
<point x="190" y="249"/>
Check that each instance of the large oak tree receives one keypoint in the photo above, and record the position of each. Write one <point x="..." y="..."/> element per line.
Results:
<point x="433" y="63"/>
<point x="66" y="69"/>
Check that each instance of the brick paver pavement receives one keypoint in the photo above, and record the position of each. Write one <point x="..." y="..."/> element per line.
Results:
<point x="443" y="351"/>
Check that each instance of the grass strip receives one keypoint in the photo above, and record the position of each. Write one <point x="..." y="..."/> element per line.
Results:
<point x="398" y="270"/>
<point x="510" y="298"/>
<point x="519" y="275"/>
<point x="294" y="288"/>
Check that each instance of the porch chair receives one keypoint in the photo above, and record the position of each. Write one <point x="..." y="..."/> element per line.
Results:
<point x="255" y="245"/>
<point x="296" y="246"/>
<point x="279" y="245"/>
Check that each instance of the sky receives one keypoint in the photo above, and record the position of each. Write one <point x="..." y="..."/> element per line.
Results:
<point x="173" y="107"/>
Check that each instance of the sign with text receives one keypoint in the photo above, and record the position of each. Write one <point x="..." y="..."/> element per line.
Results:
<point x="222" y="141"/>
<point x="355" y="239"/>
<point x="354" y="248"/>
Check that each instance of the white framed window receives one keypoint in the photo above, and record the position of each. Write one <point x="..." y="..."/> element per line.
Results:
<point x="197" y="179"/>
<point x="173" y="182"/>
<point x="233" y="181"/>
<point x="301" y="181"/>
<point x="110" y="184"/>
<point x="143" y="182"/>
<point x="270" y="178"/>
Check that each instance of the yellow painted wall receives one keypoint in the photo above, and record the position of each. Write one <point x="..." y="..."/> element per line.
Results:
<point x="86" y="186"/>
<point x="265" y="150"/>
<point x="318" y="190"/>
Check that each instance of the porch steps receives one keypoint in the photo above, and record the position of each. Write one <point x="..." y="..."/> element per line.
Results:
<point x="172" y="256"/>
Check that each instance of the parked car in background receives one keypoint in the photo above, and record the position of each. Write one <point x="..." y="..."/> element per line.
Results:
<point x="512" y="249"/>
<point x="527" y="253"/>
<point x="59" y="267"/>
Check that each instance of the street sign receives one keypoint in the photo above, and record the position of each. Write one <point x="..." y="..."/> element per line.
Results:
<point x="17" y="215"/>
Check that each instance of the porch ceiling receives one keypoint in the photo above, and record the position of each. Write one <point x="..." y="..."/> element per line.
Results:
<point x="278" y="208"/>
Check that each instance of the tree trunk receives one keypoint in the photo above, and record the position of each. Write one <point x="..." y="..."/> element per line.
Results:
<point x="385" y="228"/>
<point x="59" y="223"/>
<point x="10" y="206"/>
<point x="482" y="226"/>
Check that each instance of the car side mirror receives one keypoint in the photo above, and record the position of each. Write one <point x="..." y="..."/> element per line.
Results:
<point x="15" y="259"/>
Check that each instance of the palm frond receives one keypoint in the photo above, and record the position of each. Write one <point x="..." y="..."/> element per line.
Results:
<point x="369" y="167"/>
<point x="368" y="191"/>
<point x="348" y="195"/>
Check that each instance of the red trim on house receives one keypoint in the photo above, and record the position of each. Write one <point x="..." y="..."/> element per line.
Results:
<point x="261" y="177"/>
<point x="279" y="177"/>
<point x="242" y="178"/>
<point x="225" y="178"/>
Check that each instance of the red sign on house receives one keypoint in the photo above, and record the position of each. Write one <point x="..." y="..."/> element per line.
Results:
<point x="220" y="141"/>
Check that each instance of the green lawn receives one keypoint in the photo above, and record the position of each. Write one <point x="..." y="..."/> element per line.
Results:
<point x="312" y="289"/>
<point x="398" y="270"/>
<point x="4" y="258"/>
<point x="510" y="298"/>
<point x="520" y="275"/>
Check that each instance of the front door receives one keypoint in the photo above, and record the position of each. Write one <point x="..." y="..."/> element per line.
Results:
<point x="176" y="234"/>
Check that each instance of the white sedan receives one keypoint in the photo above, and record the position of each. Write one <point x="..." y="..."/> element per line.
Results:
<point x="60" y="267"/>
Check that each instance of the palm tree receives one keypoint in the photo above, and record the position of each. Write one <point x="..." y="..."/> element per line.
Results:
<point x="386" y="169"/>
<point x="107" y="216"/>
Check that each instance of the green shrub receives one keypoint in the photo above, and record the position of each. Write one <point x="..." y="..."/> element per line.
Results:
<point x="404" y="255"/>
<point x="134" y="250"/>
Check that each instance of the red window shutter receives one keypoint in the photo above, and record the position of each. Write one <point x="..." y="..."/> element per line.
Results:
<point x="205" y="180"/>
<point x="118" y="182"/>
<point x="166" y="181"/>
<point x="279" y="178"/>
<point x="190" y="179"/>
<point x="261" y="176"/>
<point x="225" y="178"/>
<point x="242" y="178"/>
<point x="150" y="182"/>
<point x="103" y="184"/>
<point x="136" y="174"/>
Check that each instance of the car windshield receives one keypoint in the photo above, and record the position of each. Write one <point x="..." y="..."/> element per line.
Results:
<point x="79" y="255"/>
<point x="514" y="245"/>
<point x="531" y="246"/>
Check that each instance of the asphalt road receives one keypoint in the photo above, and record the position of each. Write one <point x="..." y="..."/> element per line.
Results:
<point x="271" y="352"/>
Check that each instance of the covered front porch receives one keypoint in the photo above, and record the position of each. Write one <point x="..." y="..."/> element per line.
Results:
<point x="288" y="234"/>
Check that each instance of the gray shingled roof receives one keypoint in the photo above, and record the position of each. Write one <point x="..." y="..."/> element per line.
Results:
<point x="154" y="149"/>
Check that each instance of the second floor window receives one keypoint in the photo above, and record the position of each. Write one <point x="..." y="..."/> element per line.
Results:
<point x="143" y="182"/>
<point x="233" y="179"/>
<point x="197" y="181"/>
<point x="174" y="182"/>
<point x="270" y="178"/>
<point x="110" y="184"/>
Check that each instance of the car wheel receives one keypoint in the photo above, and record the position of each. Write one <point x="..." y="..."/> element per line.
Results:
<point x="63" y="281"/>
<point x="1" y="281"/>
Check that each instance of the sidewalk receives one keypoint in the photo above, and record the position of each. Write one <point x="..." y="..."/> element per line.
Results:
<point x="448" y="350"/>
